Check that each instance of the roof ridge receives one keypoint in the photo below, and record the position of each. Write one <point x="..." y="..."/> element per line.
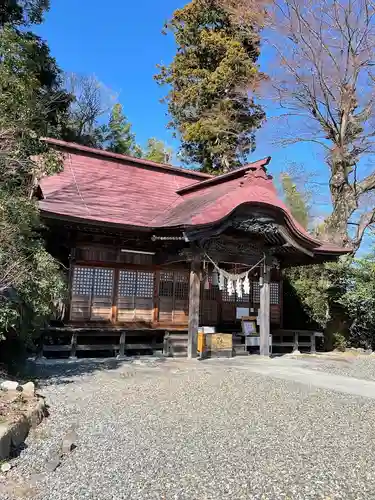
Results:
<point x="218" y="179"/>
<point x="116" y="156"/>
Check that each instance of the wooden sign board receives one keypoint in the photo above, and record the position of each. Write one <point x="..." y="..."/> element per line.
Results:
<point x="249" y="326"/>
<point x="221" y="341"/>
<point x="220" y="344"/>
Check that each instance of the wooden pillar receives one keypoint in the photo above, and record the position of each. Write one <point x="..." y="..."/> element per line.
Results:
<point x="166" y="345"/>
<point x="313" y="343"/>
<point x="121" y="354"/>
<point x="73" y="347"/>
<point x="72" y="256"/>
<point x="264" y="313"/>
<point x="194" y="297"/>
<point x="296" y="343"/>
<point x="116" y="274"/>
<point x="40" y="351"/>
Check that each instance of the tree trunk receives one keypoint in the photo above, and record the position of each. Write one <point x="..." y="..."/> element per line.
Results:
<point x="344" y="203"/>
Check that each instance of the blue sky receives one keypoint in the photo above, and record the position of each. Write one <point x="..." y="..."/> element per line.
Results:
<point x="121" y="45"/>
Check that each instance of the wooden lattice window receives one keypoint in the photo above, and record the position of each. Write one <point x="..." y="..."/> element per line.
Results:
<point x="82" y="280"/>
<point x="174" y="284"/>
<point x="92" y="280"/>
<point x="274" y="293"/>
<point x="127" y="283"/>
<point x="145" y="284"/>
<point x="136" y="284"/>
<point x="103" y="282"/>
<point x="256" y="292"/>
<point x="226" y="297"/>
<point x="181" y="291"/>
<point x="92" y="290"/>
<point x="166" y="284"/>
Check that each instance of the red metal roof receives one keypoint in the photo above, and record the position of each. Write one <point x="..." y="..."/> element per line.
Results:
<point x="99" y="186"/>
<point x="71" y="146"/>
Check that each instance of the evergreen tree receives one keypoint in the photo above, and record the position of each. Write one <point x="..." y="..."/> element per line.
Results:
<point x="120" y="138"/>
<point x="22" y="12"/>
<point x="30" y="107"/>
<point x="157" y="151"/>
<point x="296" y="201"/>
<point x="26" y="57"/>
<point x="211" y="78"/>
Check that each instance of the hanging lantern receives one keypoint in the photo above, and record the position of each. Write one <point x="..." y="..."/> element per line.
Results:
<point x="206" y="283"/>
<point x="246" y="285"/>
<point x="221" y="281"/>
<point x="215" y="277"/>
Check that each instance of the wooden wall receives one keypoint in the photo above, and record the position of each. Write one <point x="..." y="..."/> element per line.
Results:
<point x="123" y="295"/>
<point x="102" y="289"/>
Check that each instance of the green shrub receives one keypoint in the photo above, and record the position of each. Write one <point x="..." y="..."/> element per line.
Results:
<point x="339" y="342"/>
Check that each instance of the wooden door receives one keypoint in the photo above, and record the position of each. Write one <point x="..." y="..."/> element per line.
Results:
<point x="135" y="296"/>
<point x="173" y="297"/>
<point x="91" y="293"/>
<point x="81" y="293"/>
<point x="101" y="303"/>
<point x="209" y="305"/>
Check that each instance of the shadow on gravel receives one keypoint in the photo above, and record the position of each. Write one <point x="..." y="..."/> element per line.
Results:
<point x="62" y="372"/>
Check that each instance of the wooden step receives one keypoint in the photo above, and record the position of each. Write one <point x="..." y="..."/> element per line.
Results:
<point x="240" y="351"/>
<point x="178" y="343"/>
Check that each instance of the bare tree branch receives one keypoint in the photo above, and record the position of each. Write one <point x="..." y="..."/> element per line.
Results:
<point x="365" y="221"/>
<point x="326" y="72"/>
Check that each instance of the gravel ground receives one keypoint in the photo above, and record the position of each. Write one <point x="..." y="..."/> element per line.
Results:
<point x="362" y="367"/>
<point x="195" y="431"/>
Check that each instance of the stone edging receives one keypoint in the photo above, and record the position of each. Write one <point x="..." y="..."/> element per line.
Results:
<point x="14" y="434"/>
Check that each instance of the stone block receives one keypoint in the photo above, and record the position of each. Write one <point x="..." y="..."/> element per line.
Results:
<point x="10" y="385"/>
<point x="36" y="415"/>
<point x="5" y="442"/>
<point x="28" y="389"/>
<point x="19" y="431"/>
